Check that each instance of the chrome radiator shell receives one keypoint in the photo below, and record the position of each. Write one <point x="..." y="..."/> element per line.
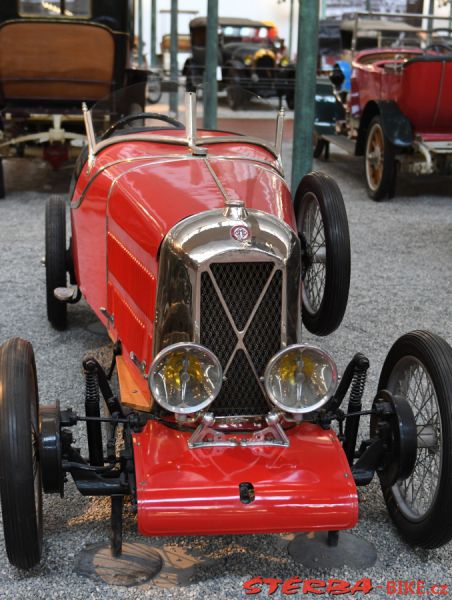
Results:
<point x="242" y="280"/>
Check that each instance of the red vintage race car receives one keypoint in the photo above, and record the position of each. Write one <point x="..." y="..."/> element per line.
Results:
<point x="191" y="251"/>
<point x="397" y="115"/>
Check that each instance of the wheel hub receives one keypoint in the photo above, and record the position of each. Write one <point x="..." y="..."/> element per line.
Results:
<point x="50" y="449"/>
<point x="395" y="425"/>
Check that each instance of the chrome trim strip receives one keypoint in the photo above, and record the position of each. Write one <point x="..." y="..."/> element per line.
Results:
<point x="279" y="130"/>
<point x="181" y="141"/>
<point x="91" y="137"/>
<point x="217" y="181"/>
<point x="259" y="162"/>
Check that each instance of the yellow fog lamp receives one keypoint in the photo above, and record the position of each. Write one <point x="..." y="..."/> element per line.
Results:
<point x="284" y="61"/>
<point x="300" y="378"/>
<point x="248" y="60"/>
<point x="185" y="377"/>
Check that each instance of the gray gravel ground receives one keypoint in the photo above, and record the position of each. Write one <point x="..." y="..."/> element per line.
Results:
<point x="401" y="280"/>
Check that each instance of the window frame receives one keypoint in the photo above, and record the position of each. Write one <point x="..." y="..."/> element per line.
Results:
<point x="60" y="15"/>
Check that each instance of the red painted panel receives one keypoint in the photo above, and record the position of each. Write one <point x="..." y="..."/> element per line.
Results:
<point x="131" y="329"/>
<point x="307" y="486"/>
<point x="421" y="89"/>
<point x="136" y="279"/>
<point x="426" y="93"/>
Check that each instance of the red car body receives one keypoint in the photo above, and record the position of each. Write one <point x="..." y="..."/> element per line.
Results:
<point x="122" y="207"/>
<point x="397" y="115"/>
<point x="420" y="85"/>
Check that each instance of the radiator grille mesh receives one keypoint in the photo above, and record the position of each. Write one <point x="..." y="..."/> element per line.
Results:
<point x="240" y="286"/>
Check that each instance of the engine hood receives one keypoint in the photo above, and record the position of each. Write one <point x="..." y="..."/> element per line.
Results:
<point x="146" y="200"/>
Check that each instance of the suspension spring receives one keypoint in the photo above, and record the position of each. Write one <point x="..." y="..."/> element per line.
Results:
<point x="92" y="409"/>
<point x="355" y="405"/>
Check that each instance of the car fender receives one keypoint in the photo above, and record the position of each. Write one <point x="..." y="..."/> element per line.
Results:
<point x="396" y="126"/>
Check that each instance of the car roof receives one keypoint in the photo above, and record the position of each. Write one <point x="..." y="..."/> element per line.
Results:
<point x="375" y="25"/>
<point x="223" y="21"/>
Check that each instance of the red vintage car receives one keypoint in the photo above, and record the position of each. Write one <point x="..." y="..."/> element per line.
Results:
<point x="397" y="115"/>
<point x="191" y="251"/>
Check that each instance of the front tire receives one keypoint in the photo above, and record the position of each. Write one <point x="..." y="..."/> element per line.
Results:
<point x="379" y="162"/>
<point x="20" y="471"/>
<point x="55" y="257"/>
<point x="323" y="230"/>
<point x="419" y="369"/>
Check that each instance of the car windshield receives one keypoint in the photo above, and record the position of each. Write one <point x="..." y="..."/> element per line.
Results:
<point x="246" y="33"/>
<point x="117" y="113"/>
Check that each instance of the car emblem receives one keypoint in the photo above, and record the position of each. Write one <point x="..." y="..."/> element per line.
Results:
<point x="240" y="233"/>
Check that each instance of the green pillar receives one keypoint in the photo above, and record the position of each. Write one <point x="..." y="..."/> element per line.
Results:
<point x="210" y="93"/>
<point x="173" y="54"/>
<point x="431" y="11"/>
<point x="140" y="33"/>
<point x="153" y="40"/>
<point x="305" y="84"/>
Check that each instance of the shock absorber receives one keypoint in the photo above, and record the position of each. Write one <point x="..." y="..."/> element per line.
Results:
<point x="92" y="409"/>
<point x="361" y="365"/>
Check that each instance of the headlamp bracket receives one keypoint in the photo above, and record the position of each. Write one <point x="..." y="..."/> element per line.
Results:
<point x="206" y="435"/>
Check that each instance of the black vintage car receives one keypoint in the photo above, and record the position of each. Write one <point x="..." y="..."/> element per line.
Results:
<point x="251" y="56"/>
<point x="54" y="55"/>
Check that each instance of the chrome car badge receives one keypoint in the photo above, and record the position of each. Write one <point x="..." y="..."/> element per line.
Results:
<point x="240" y="233"/>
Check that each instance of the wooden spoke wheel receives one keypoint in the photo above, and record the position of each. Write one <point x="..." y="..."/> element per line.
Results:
<point x="380" y="164"/>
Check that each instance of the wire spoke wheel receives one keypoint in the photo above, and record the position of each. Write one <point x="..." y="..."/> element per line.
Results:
<point x="415" y="495"/>
<point x="418" y="368"/>
<point x="323" y="229"/>
<point x="314" y="233"/>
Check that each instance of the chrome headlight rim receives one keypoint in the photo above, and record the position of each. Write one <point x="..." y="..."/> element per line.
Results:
<point x="308" y="409"/>
<point x="179" y="346"/>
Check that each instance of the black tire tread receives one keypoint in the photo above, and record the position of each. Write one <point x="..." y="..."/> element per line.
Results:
<point x="436" y="355"/>
<point x="55" y="243"/>
<point x="337" y="241"/>
<point x="21" y="518"/>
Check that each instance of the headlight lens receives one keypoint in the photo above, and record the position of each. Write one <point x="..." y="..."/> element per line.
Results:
<point x="284" y="61"/>
<point x="248" y="60"/>
<point x="185" y="377"/>
<point x="300" y="378"/>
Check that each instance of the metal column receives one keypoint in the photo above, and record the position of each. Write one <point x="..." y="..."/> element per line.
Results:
<point x="153" y="40"/>
<point x="140" y="33"/>
<point x="210" y="93"/>
<point x="431" y="12"/>
<point x="290" y="29"/>
<point x="173" y="104"/>
<point x="305" y="84"/>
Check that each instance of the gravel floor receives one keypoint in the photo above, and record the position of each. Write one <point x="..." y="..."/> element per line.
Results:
<point x="401" y="280"/>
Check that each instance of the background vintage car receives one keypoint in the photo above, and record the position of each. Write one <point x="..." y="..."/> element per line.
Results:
<point x="251" y="57"/>
<point x="53" y="60"/>
<point x="396" y="115"/>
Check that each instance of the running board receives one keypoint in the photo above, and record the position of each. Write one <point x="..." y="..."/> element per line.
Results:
<point x="342" y="142"/>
